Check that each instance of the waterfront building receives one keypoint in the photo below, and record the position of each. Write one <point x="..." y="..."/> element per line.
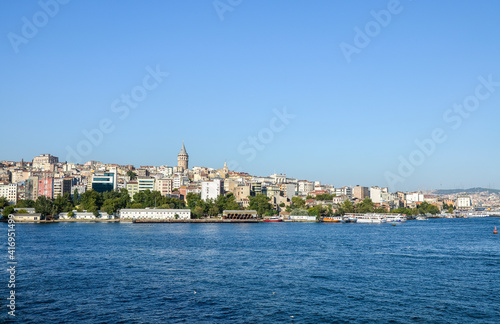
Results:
<point x="212" y="189"/>
<point x="155" y="214"/>
<point x="27" y="218"/>
<point x="85" y="215"/>
<point x="9" y="191"/>
<point x="239" y="214"/>
<point x="302" y="218"/>
<point x="183" y="158"/>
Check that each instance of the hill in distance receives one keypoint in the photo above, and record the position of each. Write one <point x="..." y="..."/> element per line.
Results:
<point x="468" y="191"/>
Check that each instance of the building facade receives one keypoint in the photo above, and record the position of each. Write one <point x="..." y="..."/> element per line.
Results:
<point x="46" y="187"/>
<point x="155" y="214"/>
<point x="9" y="191"/>
<point x="212" y="189"/>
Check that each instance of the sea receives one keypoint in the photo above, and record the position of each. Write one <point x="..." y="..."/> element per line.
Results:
<point x="435" y="271"/>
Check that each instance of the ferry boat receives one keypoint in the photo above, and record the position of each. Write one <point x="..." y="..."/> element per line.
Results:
<point x="422" y="218"/>
<point x="371" y="218"/>
<point x="333" y="219"/>
<point x="398" y="218"/>
<point x="272" y="219"/>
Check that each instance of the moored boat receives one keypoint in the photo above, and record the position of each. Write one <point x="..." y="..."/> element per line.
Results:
<point x="272" y="219"/>
<point x="333" y="219"/>
<point x="371" y="218"/>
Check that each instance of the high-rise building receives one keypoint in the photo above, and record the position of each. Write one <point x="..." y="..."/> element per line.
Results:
<point x="212" y="189"/>
<point x="46" y="187"/>
<point x="102" y="182"/>
<point x="360" y="192"/>
<point x="183" y="158"/>
<point x="31" y="188"/>
<point x="9" y="191"/>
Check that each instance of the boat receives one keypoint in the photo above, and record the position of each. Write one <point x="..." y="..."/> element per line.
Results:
<point x="371" y="218"/>
<point x="348" y="219"/>
<point x="333" y="219"/>
<point x="422" y="218"/>
<point x="272" y="219"/>
<point x="398" y="218"/>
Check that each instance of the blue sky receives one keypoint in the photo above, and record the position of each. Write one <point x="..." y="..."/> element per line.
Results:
<point x="354" y="122"/>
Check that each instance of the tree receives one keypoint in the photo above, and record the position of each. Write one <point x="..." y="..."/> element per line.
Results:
<point x="345" y="207"/>
<point x="22" y="211"/>
<point x="3" y="202"/>
<point x="63" y="203"/>
<point x="132" y="175"/>
<point x="198" y="212"/>
<point x="43" y="205"/>
<point x="298" y="202"/>
<point x="91" y="200"/>
<point x="96" y="213"/>
<point x="76" y="197"/>
<point x="260" y="203"/>
<point x="324" y="196"/>
<point x="7" y="211"/>
<point x="25" y="203"/>
<point x="366" y="206"/>
<point x="71" y="214"/>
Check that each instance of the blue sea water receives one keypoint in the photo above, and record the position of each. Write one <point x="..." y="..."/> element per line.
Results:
<point x="436" y="271"/>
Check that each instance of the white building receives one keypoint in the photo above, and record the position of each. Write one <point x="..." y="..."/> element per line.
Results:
<point x="278" y="178"/>
<point x="414" y="197"/>
<point x="464" y="202"/>
<point x="344" y="191"/>
<point x="212" y="189"/>
<point x="376" y="194"/>
<point x="9" y="191"/>
<point x="305" y="187"/>
<point x="85" y="215"/>
<point x="302" y="218"/>
<point x="155" y="214"/>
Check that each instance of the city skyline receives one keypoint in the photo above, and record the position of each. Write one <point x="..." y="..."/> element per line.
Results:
<point x="339" y="93"/>
<point x="183" y="158"/>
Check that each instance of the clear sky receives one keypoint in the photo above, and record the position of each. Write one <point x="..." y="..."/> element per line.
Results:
<point x="354" y="84"/>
